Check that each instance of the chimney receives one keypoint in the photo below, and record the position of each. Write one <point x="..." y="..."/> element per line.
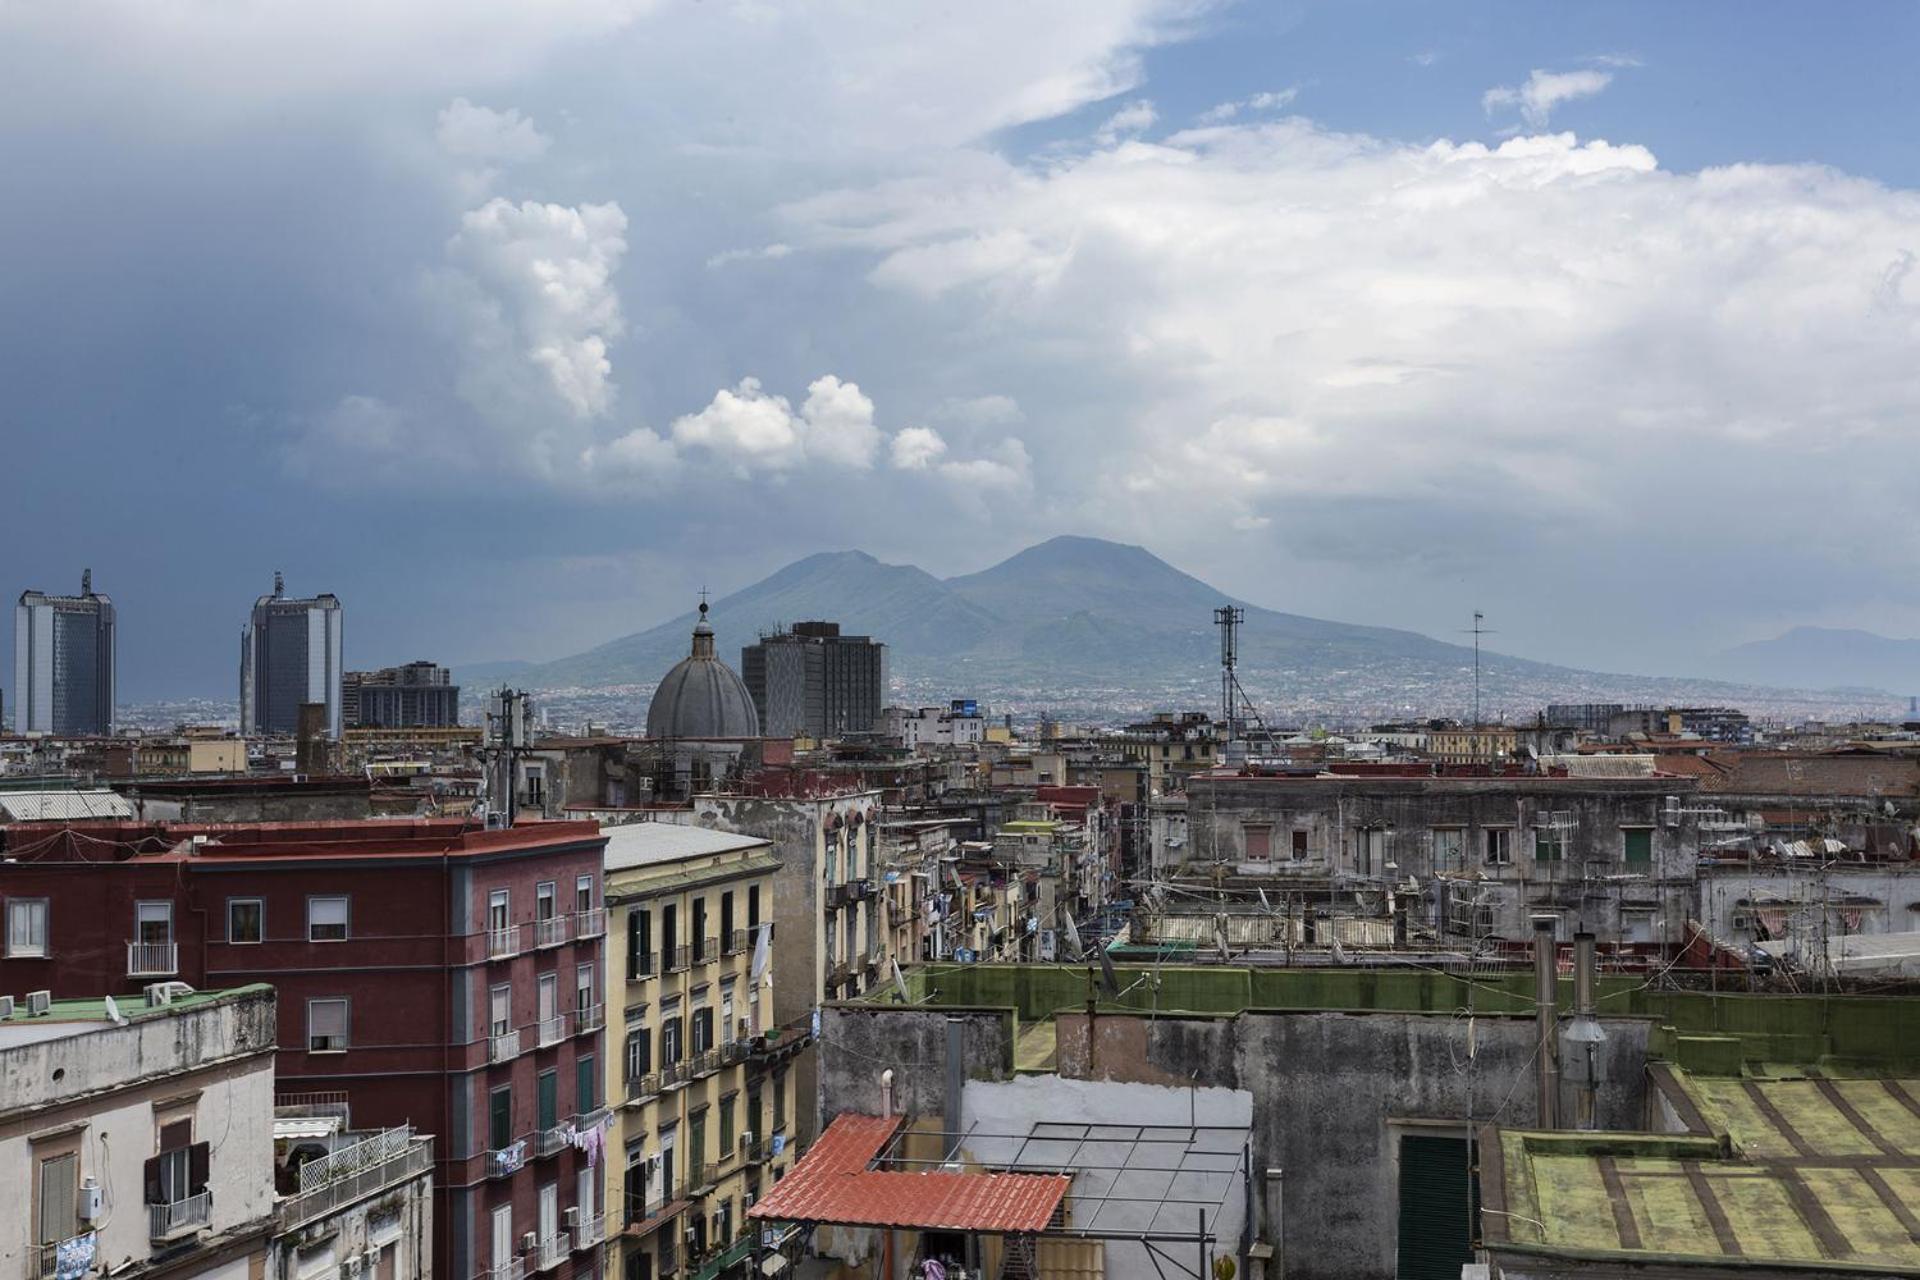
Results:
<point x="1585" y="1038"/>
<point x="1546" y="979"/>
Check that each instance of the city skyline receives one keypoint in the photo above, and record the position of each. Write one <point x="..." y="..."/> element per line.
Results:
<point x="1593" y="321"/>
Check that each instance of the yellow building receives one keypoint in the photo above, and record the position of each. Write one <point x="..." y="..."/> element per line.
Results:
<point x="1473" y="744"/>
<point x="700" y="1072"/>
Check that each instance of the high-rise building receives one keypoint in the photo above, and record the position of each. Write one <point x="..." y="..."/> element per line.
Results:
<point x="63" y="662"/>
<point x="420" y="695"/>
<point x="812" y="681"/>
<point x="289" y="654"/>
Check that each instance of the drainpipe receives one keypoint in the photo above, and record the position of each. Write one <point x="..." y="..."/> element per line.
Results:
<point x="1547" y="1003"/>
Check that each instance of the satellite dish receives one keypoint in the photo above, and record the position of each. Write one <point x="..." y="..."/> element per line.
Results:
<point x="1075" y="947"/>
<point x="113" y="1013"/>
<point x="900" y="983"/>
<point x="1109" y="981"/>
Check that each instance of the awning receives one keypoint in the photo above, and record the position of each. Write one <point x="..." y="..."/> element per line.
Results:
<point x="294" y="1128"/>
<point x="834" y="1184"/>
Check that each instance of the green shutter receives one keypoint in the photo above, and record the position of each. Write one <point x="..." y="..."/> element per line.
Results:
<point x="583" y="1083"/>
<point x="1639" y="844"/>
<point x="548" y="1100"/>
<point x="1436" y="1198"/>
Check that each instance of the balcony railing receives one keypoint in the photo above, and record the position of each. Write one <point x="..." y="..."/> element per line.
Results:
<point x="165" y="1221"/>
<point x="704" y="1063"/>
<point x="47" y="1259"/>
<point x="552" y="1251"/>
<point x="641" y="965"/>
<point x="705" y="949"/>
<point x="592" y="1231"/>
<point x="514" y="1270"/>
<point x="734" y="1051"/>
<point x="503" y="943"/>
<point x="645" y="1086"/>
<point x="590" y="923"/>
<point x="697" y="1176"/>
<point x="760" y="1152"/>
<point x="589" y="1018"/>
<point x="550" y="932"/>
<point x="152" y="959"/>
<point x="504" y="1045"/>
<point x="504" y="1162"/>
<point x="673" y="958"/>
<point x="551" y="1141"/>
<point x="553" y="1030"/>
<point x="736" y="941"/>
<point x="673" y="1075"/>
<point x="355" y="1183"/>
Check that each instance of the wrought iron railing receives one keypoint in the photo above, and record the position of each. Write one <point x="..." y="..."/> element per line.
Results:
<point x="186" y="1214"/>
<point x="152" y="959"/>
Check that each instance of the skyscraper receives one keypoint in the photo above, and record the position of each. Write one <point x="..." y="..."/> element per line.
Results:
<point x="811" y="680"/>
<point x="418" y="695"/>
<point x="289" y="654"/>
<point x="63" y="662"/>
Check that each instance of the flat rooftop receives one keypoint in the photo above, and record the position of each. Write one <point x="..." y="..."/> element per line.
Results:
<point x="369" y="838"/>
<point x="1817" y="1172"/>
<point x="80" y="1015"/>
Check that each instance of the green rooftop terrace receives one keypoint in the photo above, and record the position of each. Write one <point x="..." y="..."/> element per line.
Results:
<point x="132" y="1006"/>
<point x="1708" y="1032"/>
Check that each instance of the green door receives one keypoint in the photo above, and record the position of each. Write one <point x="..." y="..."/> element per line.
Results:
<point x="1436" y="1198"/>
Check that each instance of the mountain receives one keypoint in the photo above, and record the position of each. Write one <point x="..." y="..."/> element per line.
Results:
<point x="1071" y="611"/>
<point x="1827" y="658"/>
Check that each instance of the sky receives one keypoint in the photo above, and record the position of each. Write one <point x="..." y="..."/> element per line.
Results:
<point x="516" y="325"/>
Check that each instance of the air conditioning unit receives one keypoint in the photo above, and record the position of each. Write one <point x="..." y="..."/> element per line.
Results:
<point x="746" y="1140"/>
<point x="38" y="1002"/>
<point x="6" y="1007"/>
<point x="1742" y="920"/>
<point x="572" y="1216"/>
<point x="749" y="1198"/>
<point x="528" y="1242"/>
<point x="159" y="993"/>
<point x="89" y="1200"/>
<point x="351" y="1266"/>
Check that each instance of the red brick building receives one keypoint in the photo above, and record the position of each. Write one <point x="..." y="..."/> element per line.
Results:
<point x="433" y="971"/>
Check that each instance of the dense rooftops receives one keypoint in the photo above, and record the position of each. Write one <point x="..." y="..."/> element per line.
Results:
<point x="221" y="842"/>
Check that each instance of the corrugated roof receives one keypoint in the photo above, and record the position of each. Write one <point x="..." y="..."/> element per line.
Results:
<point x="642" y="844"/>
<point x="833" y="1184"/>
<point x="63" y="806"/>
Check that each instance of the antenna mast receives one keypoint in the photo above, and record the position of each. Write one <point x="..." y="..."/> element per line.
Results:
<point x="1477" y="631"/>
<point x="1228" y="618"/>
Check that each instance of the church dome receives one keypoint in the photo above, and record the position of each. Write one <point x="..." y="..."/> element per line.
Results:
<point x="702" y="697"/>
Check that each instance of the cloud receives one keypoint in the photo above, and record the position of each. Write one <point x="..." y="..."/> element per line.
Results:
<point x="470" y="132"/>
<point x="542" y="307"/>
<point x="1543" y="92"/>
<point x="1272" y="101"/>
<point x="752" y="430"/>
<point x="1006" y="467"/>
<point x="917" y="448"/>
<point x="637" y="455"/>
<point x="1133" y="118"/>
<point x="765" y="253"/>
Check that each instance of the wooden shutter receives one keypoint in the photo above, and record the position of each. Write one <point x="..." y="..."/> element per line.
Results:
<point x="199" y="1159"/>
<point x="1259" y="843"/>
<point x="59" y="1186"/>
<point x="150" y="1176"/>
<point x="176" y="1135"/>
<point x="1436" y="1199"/>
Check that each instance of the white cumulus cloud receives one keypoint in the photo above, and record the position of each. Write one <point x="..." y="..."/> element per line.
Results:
<point x="1544" y="91"/>
<point x="471" y="132"/>
<point x="1136" y="116"/>
<point x="917" y="448"/>
<point x="753" y="430"/>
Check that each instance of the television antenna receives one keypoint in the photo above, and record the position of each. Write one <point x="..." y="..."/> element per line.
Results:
<point x="1476" y="631"/>
<point x="1233" y="698"/>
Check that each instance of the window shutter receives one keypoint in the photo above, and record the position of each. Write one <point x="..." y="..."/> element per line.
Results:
<point x="151" y="1177"/>
<point x="176" y="1135"/>
<point x="59" y="1214"/>
<point x="199" y="1156"/>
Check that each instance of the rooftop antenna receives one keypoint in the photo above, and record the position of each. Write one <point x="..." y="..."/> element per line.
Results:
<point x="1476" y="631"/>
<point x="279" y="585"/>
<point x="86" y="582"/>
<point x="1228" y="618"/>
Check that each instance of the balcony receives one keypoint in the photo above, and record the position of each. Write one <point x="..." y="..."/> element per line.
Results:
<point x="354" y="1173"/>
<point x="592" y="1231"/>
<point x="673" y="1075"/>
<point x="591" y="923"/>
<point x="503" y="1045"/>
<point x="734" y="1051"/>
<point x="673" y="959"/>
<point x="503" y="943"/>
<point x="550" y="1142"/>
<point x="165" y="1221"/>
<point x="699" y="1178"/>
<point x="704" y="1063"/>
<point x="551" y="1252"/>
<point x="641" y="966"/>
<point x="553" y="1030"/>
<point x="152" y="959"/>
<point x="759" y="1152"/>
<point x="551" y="932"/>
<point x="514" y="1270"/>
<point x="504" y="1162"/>
<point x="781" y="1041"/>
<point x="736" y="941"/>
<point x="589" y="1018"/>
<point x="706" y="949"/>
<point x="718" y="1261"/>
<point x="640" y="1088"/>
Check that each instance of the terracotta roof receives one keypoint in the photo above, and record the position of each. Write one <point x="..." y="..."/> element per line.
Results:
<point x="833" y="1184"/>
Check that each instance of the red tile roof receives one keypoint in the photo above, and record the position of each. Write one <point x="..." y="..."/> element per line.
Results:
<point x="833" y="1184"/>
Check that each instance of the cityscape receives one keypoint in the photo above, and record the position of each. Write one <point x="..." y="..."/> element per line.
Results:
<point x="876" y="641"/>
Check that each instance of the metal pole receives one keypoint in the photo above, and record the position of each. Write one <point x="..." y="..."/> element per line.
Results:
<point x="1547" y="1003"/>
<point x="1583" y="976"/>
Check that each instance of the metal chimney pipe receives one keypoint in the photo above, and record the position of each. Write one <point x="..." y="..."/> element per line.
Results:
<point x="1586" y="1035"/>
<point x="1546" y="979"/>
<point x="1583" y="974"/>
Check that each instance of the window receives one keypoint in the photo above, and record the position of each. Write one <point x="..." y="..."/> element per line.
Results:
<point x="1370" y="850"/>
<point x="326" y="1026"/>
<point x="1637" y="844"/>
<point x="726" y="1124"/>
<point x="583" y="988"/>
<point x="153" y="921"/>
<point x="180" y="1170"/>
<point x="59" y="1197"/>
<point x="753" y="906"/>
<point x="583" y="894"/>
<point x="543" y="901"/>
<point x="699" y="930"/>
<point x="669" y="935"/>
<point x="500" y="1118"/>
<point x="697" y="1146"/>
<point x="1499" y="846"/>
<point x="1259" y="842"/>
<point x="1449" y="849"/>
<point x="753" y="1111"/>
<point x="246" y="920"/>
<point x="639" y="1054"/>
<point x="503" y="1242"/>
<point x="670" y="1036"/>
<point x="546" y="1101"/>
<point x="537" y="787"/>
<point x="1299" y="846"/>
<point x="726" y="920"/>
<point x="497" y="913"/>
<point x="780" y="1100"/>
<point x="326" y="919"/>
<point x="1548" y="845"/>
<point x="639" y="943"/>
<point x="500" y="1009"/>
<point x="26" y="928"/>
<point x="547" y="999"/>
<point x="586" y="1091"/>
<point x="702" y="1029"/>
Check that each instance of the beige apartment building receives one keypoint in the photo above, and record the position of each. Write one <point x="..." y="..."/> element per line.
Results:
<point x="704" y="1086"/>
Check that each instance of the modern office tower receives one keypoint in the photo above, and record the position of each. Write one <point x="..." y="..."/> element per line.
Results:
<point x="812" y="681"/>
<point x="420" y="695"/>
<point x="289" y="654"/>
<point x="63" y="662"/>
